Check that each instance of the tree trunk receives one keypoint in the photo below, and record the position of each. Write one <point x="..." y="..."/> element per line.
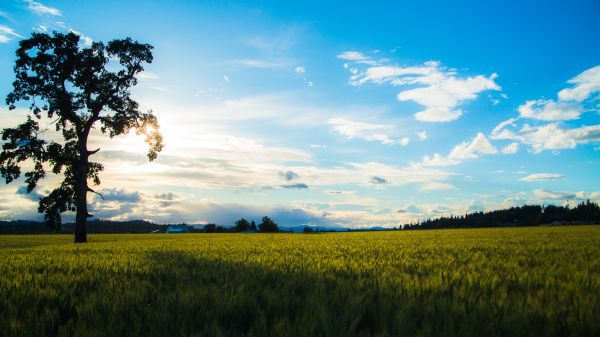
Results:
<point x="81" y="189"/>
<point x="81" y="217"/>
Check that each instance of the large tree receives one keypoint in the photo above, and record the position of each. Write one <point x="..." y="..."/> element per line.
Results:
<point x="72" y="87"/>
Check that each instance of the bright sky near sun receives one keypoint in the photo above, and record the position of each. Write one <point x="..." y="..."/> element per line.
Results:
<point x="337" y="114"/>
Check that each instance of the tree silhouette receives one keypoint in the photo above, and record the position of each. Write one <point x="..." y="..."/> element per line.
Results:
<point x="241" y="225"/>
<point x="268" y="226"/>
<point x="253" y="225"/>
<point x="73" y="88"/>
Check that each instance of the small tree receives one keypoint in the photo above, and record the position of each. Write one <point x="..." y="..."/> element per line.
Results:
<point x="253" y="225"/>
<point x="241" y="225"/>
<point x="268" y="226"/>
<point x="308" y="230"/>
<point x="73" y="86"/>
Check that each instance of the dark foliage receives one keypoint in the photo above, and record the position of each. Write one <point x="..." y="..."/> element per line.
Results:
<point x="268" y="226"/>
<point x="71" y="86"/>
<point x="527" y="215"/>
<point x="241" y="225"/>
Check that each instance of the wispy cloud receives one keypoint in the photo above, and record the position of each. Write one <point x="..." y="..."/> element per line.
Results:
<point x="570" y="104"/>
<point x="468" y="149"/>
<point x="438" y="160"/>
<point x="300" y="70"/>
<point x="295" y="186"/>
<point x="543" y="177"/>
<point x="289" y="175"/>
<point x="378" y="180"/>
<point x="86" y="40"/>
<point x="562" y="195"/>
<point x="547" y="137"/>
<point x="437" y="186"/>
<point x="226" y="78"/>
<point x="442" y="93"/>
<point x="5" y="33"/>
<point x="144" y="75"/>
<point x="40" y="9"/>
<point x="422" y="135"/>
<point x="364" y="131"/>
<point x="41" y="29"/>
<point x="510" y="148"/>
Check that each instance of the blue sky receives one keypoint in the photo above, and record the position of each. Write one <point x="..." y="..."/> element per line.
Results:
<point x="338" y="113"/>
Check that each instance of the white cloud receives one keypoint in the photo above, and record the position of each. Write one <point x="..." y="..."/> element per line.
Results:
<point x="560" y="195"/>
<point x="144" y="75"/>
<point x="160" y="88"/>
<point x="570" y="104"/>
<point x="422" y="135"/>
<point x="226" y="78"/>
<point x="321" y="146"/>
<point x="467" y="150"/>
<point x="543" y="177"/>
<point x="41" y="29"/>
<point x="510" y="148"/>
<point x="86" y="40"/>
<point x="442" y="93"/>
<point x="548" y="137"/>
<point x="5" y="32"/>
<point x="587" y="82"/>
<point x="300" y="70"/>
<point x="6" y="16"/>
<point x="352" y="55"/>
<point x="358" y="129"/>
<point x="503" y="95"/>
<point x="40" y="9"/>
<point x="436" y="186"/>
<point x="438" y="115"/>
<point x="359" y="58"/>
<point x="549" y="110"/>
<point x="438" y="160"/>
<point x="310" y="84"/>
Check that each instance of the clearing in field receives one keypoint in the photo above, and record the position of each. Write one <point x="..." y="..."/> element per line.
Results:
<point x="479" y="282"/>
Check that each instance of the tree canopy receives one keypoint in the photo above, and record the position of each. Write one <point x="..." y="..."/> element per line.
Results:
<point x="73" y="88"/>
<point x="241" y="225"/>
<point x="268" y="226"/>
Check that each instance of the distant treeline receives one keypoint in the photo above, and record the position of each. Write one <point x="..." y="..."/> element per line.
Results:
<point x="527" y="215"/>
<point x="93" y="227"/>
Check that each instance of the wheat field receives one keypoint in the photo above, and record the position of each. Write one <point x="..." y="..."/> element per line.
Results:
<point x="538" y="281"/>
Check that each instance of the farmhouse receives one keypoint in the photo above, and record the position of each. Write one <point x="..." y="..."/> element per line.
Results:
<point x="178" y="229"/>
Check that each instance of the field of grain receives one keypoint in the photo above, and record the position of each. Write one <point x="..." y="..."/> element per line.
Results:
<point x="542" y="281"/>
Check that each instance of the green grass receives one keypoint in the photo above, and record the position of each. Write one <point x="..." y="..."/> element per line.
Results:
<point x="475" y="282"/>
